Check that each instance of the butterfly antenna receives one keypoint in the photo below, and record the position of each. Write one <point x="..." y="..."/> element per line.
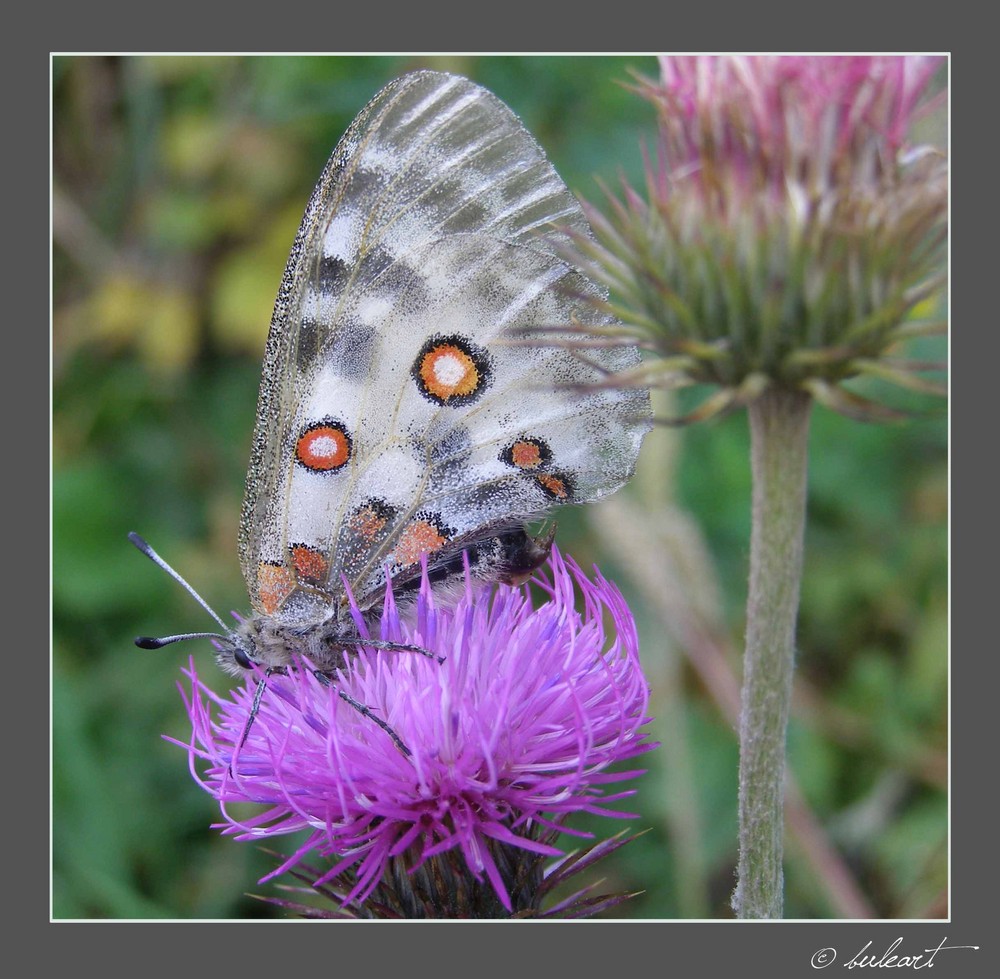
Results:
<point x="149" y="642"/>
<point x="152" y="642"/>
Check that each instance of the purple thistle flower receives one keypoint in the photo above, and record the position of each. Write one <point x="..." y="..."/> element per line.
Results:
<point x="816" y="122"/>
<point x="511" y="734"/>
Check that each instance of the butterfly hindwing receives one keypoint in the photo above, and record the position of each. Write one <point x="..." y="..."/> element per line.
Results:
<point x="397" y="416"/>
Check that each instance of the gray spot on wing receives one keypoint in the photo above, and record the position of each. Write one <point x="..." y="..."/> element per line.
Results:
<point x="332" y="275"/>
<point x="353" y="348"/>
<point x="349" y="349"/>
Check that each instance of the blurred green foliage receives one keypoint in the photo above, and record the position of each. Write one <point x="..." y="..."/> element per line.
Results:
<point x="178" y="185"/>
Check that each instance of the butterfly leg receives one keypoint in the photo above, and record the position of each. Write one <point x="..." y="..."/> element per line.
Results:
<point x="365" y="711"/>
<point x="255" y="707"/>
<point x="398" y="647"/>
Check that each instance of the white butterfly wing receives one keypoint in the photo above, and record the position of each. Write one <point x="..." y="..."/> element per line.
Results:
<point x="395" y="414"/>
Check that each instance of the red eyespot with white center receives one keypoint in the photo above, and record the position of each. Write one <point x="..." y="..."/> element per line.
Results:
<point x="451" y="371"/>
<point x="324" y="446"/>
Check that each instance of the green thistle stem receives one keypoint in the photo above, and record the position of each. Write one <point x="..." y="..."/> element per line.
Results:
<point x="779" y="432"/>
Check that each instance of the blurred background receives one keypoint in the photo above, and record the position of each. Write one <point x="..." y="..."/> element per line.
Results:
<point x="178" y="184"/>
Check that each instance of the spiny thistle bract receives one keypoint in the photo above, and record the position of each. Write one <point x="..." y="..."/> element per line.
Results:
<point x="786" y="234"/>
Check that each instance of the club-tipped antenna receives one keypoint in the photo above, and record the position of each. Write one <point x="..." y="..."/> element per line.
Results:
<point x="147" y="642"/>
<point x="154" y="642"/>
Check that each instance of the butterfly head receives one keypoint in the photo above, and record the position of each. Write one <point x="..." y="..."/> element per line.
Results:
<point x="236" y="651"/>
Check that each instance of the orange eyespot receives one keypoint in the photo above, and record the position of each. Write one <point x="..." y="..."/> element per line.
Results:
<point x="451" y="370"/>
<point x="424" y="536"/>
<point x="311" y="564"/>
<point x="371" y="518"/>
<point x="275" y="583"/>
<point x="323" y="446"/>
<point x="526" y="453"/>
<point x="556" y="486"/>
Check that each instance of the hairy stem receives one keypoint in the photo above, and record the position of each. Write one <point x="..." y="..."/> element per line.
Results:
<point x="779" y="431"/>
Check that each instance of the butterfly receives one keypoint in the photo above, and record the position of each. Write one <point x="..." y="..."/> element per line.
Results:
<point x="400" y="423"/>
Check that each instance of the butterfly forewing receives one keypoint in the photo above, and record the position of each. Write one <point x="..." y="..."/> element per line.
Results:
<point x="396" y="417"/>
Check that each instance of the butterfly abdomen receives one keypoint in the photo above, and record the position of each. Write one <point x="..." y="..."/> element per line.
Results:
<point x="509" y="555"/>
